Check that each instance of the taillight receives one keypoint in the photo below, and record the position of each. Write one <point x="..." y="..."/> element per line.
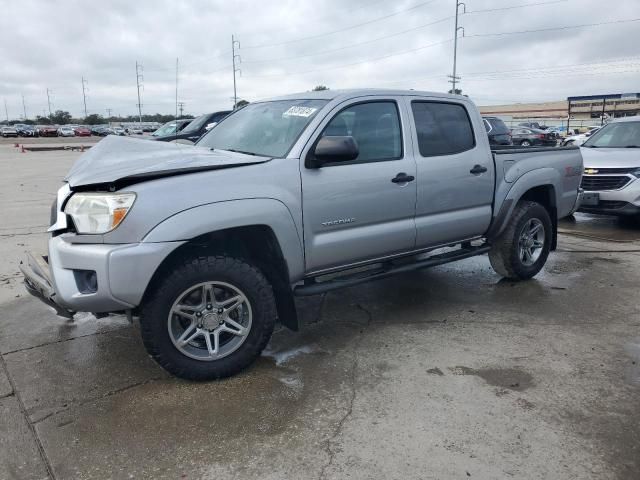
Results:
<point x="541" y="135"/>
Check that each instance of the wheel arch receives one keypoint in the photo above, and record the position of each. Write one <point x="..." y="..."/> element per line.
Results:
<point x="261" y="231"/>
<point x="539" y="186"/>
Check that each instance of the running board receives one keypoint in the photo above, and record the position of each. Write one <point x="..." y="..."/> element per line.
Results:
<point x="386" y="270"/>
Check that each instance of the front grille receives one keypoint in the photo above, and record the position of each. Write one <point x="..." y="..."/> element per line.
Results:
<point x="602" y="171"/>
<point x="594" y="183"/>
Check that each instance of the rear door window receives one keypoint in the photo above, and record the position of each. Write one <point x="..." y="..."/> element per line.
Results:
<point x="442" y="128"/>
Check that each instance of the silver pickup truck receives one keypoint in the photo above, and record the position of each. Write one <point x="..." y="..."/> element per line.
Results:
<point x="298" y="195"/>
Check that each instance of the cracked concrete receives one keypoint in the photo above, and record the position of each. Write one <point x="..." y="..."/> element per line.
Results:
<point x="444" y="373"/>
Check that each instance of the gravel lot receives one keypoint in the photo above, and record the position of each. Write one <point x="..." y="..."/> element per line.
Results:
<point x="446" y="373"/>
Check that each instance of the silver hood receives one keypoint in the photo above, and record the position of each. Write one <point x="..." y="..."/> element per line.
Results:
<point x="611" y="157"/>
<point x="128" y="160"/>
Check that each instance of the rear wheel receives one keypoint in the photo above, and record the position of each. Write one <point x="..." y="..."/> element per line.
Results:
<point x="525" y="143"/>
<point x="209" y="318"/>
<point x="522" y="249"/>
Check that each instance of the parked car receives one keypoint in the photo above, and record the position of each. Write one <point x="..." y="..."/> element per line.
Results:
<point x="579" y="139"/>
<point x="47" y="130"/>
<point x="611" y="179"/>
<point x="66" y="132"/>
<point x="294" y="196"/>
<point x="526" y="137"/>
<point x="82" y="131"/>
<point x="535" y="125"/>
<point x="99" y="130"/>
<point x="119" y="131"/>
<point x="134" y="130"/>
<point x="497" y="131"/>
<point x="26" y="131"/>
<point x="195" y="129"/>
<point x="171" y="128"/>
<point x="8" y="131"/>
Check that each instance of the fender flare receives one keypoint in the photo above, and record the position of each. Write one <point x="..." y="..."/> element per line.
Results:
<point x="536" y="178"/>
<point x="212" y="217"/>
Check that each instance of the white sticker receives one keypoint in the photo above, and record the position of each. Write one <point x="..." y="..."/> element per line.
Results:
<point x="299" y="112"/>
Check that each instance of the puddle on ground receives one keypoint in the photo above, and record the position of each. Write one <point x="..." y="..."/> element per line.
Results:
<point x="281" y="357"/>
<point x="510" y="378"/>
<point x="601" y="227"/>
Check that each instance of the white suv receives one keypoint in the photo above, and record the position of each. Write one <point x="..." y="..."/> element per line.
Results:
<point x="611" y="179"/>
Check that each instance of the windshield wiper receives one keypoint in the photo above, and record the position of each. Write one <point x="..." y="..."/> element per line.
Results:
<point x="240" y="151"/>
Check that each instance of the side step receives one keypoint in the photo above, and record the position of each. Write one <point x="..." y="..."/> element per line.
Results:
<point x="386" y="270"/>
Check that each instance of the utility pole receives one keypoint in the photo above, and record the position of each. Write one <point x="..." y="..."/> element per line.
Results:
<point x="177" y="89"/>
<point x="24" y="108"/>
<point x="6" y="112"/>
<point x="138" y="78"/>
<point x="84" y="96"/>
<point x="235" y="43"/>
<point x="49" y="103"/>
<point x="181" y="106"/>
<point x="108" y="112"/>
<point x="454" y="78"/>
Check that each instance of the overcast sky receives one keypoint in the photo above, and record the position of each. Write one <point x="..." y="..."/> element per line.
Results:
<point x="291" y="46"/>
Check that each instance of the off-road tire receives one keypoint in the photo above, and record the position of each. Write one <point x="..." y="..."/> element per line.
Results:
<point x="155" y="312"/>
<point x="504" y="256"/>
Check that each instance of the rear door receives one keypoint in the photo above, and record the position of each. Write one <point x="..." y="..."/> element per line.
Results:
<point x="358" y="210"/>
<point x="455" y="172"/>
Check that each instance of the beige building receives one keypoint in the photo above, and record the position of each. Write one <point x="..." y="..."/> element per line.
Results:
<point x="581" y="111"/>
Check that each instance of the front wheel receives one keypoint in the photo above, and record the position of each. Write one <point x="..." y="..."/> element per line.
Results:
<point x="522" y="249"/>
<point x="209" y="318"/>
<point x="525" y="143"/>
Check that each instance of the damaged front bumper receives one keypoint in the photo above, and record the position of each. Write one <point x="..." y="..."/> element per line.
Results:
<point x="96" y="278"/>
<point x="38" y="283"/>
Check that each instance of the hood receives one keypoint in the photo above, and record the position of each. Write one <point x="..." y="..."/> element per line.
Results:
<point x="611" y="157"/>
<point x="122" y="161"/>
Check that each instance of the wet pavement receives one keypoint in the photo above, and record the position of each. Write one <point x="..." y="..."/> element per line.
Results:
<point x="445" y="373"/>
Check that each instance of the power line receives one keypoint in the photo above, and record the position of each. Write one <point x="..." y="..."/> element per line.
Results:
<point x="567" y="27"/>
<point x="500" y="9"/>
<point x="369" y="60"/>
<point x="324" y="52"/>
<point x="286" y="42"/>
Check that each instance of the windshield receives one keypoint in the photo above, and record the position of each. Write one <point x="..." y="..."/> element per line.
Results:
<point x="268" y="129"/>
<point x="616" y="135"/>
<point x="196" y="124"/>
<point x="166" y="129"/>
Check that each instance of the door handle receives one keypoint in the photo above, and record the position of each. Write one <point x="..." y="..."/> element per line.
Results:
<point x="478" y="169"/>
<point x="403" y="178"/>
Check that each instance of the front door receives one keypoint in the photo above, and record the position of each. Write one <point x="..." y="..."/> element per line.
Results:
<point x="363" y="209"/>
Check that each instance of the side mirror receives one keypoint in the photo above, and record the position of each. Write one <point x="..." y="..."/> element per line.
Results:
<point x="331" y="149"/>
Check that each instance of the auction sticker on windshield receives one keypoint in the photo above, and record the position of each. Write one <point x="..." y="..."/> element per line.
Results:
<point x="299" y="112"/>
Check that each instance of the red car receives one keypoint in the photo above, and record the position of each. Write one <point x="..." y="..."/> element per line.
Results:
<point x="82" y="132"/>
<point x="47" y="131"/>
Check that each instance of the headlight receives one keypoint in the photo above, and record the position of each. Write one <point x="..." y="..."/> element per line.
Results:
<point x="98" y="212"/>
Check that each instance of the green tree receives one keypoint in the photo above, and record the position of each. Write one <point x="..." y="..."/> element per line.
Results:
<point x="61" y="117"/>
<point x="319" y="88"/>
<point x="241" y="103"/>
<point x="457" y="92"/>
<point x="40" y="120"/>
<point x="94" y="119"/>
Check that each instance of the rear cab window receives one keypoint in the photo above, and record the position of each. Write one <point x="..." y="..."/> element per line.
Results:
<point x="442" y="128"/>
